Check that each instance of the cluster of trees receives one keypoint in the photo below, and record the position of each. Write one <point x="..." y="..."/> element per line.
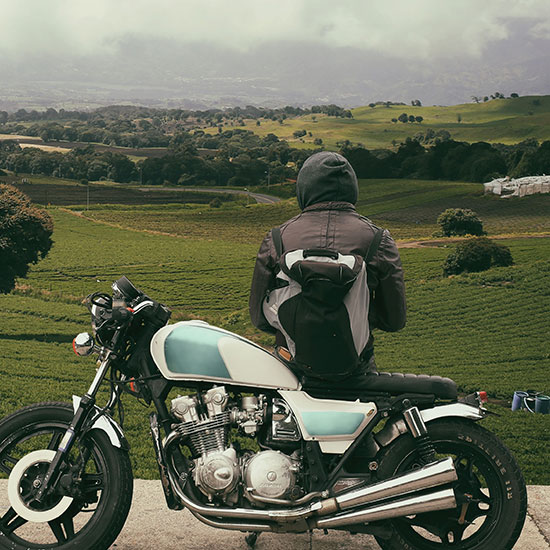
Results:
<point x="404" y="118"/>
<point x="236" y="157"/>
<point x="239" y="158"/>
<point x="80" y="163"/>
<point x="496" y="95"/>
<point x="451" y="160"/>
<point x="138" y="127"/>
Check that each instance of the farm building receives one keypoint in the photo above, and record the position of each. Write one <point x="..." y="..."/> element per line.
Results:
<point x="506" y="187"/>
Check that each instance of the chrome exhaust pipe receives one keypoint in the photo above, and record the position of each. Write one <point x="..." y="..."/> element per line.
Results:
<point x="432" y="475"/>
<point x="412" y="505"/>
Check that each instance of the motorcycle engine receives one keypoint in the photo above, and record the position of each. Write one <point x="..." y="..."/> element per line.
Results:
<point x="218" y="471"/>
<point x="270" y="474"/>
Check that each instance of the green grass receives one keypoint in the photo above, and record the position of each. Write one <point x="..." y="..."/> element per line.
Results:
<point x="504" y="120"/>
<point x="487" y="331"/>
<point x="408" y="208"/>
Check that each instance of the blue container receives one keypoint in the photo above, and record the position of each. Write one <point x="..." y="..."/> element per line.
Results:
<point x="518" y="401"/>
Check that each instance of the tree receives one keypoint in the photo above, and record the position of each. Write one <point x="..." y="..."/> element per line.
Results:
<point x="372" y="105"/>
<point x="25" y="235"/>
<point x="412" y="118"/>
<point x="419" y="119"/>
<point x="459" y="118"/>
<point x="403" y="117"/>
<point x="514" y="95"/>
<point x="476" y="99"/>
<point x="460" y="221"/>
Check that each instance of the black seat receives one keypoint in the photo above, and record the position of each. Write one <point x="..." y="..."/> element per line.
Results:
<point x="392" y="383"/>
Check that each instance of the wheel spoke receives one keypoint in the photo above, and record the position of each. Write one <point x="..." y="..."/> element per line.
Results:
<point x="57" y="530"/>
<point x="11" y="521"/>
<point x="5" y="461"/>
<point x="68" y="525"/>
<point x="92" y="482"/>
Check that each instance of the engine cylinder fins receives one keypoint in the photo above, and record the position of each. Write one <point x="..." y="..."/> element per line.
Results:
<point x="207" y="435"/>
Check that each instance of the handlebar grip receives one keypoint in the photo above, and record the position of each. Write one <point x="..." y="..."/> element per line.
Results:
<point x="121" y="314"/>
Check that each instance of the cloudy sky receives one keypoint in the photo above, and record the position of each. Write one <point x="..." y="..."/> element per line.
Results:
<point x="272" y="51"/>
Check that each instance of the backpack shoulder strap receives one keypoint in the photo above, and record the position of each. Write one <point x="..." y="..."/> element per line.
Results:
<point x="373" y="248"/>
<point x="277" y="241"/>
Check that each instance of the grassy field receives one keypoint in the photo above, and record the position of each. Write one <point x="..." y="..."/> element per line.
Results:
<point x="409" y="208"/>
<point x="487" y="331"/>
<point x="503" y="121"/>
<point x="45" y="190"/>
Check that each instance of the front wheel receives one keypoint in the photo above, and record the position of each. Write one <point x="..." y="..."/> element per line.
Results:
<point x="490" y="491"/>
<point x="92" y="499"/>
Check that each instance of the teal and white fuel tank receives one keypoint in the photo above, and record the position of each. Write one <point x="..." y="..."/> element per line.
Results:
<point x="195" y="350"/>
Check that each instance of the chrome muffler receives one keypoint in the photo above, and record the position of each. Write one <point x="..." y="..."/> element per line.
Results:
<point x="412" y="505"/>
<point x="430" y="476"/>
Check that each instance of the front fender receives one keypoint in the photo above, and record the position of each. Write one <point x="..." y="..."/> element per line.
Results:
<point x="105" y="423"/>
<point x="393" y="429"/>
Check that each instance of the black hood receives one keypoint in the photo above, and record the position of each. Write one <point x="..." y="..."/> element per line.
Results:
<point x="326" y="177"/>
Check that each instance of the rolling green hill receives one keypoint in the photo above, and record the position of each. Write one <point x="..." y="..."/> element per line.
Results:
<point x="496" y="121"/>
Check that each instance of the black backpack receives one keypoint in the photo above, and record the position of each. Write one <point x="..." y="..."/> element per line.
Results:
<point x="321" y="304"/>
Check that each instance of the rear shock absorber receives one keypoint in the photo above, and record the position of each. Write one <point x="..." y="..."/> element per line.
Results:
<point x="418" y="430"/>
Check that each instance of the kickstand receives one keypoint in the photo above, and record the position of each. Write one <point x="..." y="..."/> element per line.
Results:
<point x="251" y="539"/>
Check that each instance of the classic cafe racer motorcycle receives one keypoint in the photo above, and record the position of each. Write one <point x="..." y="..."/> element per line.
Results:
<point x="404" y="460"/>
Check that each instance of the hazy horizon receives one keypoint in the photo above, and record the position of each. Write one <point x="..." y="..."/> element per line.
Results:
<point x="71" y="54"/>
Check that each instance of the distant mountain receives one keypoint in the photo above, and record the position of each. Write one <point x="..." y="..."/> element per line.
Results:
<point x="164" y="74"/>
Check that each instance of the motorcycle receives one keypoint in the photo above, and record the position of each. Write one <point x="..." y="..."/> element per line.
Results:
<point x="404" y="459"/>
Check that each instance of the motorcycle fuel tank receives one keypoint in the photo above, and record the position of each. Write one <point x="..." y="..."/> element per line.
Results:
<point x="195" y="350"/>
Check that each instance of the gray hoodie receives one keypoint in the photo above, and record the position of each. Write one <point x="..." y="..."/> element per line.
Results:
<point x="327" y="191"/>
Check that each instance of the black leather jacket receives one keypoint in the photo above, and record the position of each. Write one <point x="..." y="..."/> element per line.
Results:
<point x="337" y="225"/>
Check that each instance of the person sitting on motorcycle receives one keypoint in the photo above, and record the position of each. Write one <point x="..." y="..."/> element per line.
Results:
<point x="327" y="192"/>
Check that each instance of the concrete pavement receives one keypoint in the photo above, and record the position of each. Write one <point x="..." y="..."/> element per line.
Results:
<point x="151" y="525"/>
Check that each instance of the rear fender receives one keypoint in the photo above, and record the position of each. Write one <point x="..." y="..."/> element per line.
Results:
<point x="106" y="424"/>
<point x="393" y="429"/>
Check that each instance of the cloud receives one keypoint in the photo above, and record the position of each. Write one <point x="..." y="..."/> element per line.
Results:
<point x="420" y="29"/>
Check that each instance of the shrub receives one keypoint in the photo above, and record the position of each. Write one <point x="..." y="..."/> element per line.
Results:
<point x="460" y="221"/>
<point x="477" y="254"/>
<point x="215" y="203"/>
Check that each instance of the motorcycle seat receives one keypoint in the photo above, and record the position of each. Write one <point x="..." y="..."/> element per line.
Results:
<point x="393" y="383"/>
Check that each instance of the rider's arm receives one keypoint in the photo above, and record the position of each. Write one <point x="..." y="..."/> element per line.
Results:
<point x="262" y="281"/>
<point x="388" y="307"/>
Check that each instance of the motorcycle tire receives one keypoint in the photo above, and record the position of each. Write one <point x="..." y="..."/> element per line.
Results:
<point x="493" y="514"/>
<point x="101" y="493"/>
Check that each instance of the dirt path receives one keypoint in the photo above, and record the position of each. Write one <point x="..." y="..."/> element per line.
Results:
<point x="435" y="243"/>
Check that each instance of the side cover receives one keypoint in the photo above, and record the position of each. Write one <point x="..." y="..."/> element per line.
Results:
<point x="194" y="350"/>
<point x="333" y="423"/>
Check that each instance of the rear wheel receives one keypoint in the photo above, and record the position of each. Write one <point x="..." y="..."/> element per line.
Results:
<point x="490" y="491"/>
<point x="91" y="500"/>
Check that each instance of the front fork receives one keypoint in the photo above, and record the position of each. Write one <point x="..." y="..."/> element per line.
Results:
<point x="82" y="413"/>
